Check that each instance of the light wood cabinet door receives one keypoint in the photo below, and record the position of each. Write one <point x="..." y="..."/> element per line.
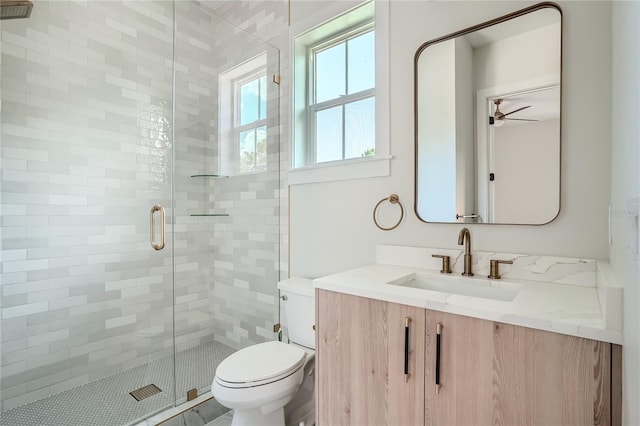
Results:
<point x="360" y="347"/>
<point x="465" y="395"/>
<point x="498" y="374"/>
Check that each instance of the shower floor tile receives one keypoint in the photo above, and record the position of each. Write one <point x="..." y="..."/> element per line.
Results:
<point x="106" y="402"/>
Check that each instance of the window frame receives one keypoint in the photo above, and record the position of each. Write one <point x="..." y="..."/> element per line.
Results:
<point x="313" y="107"/>
<point x="326" y="23"/>
<point x="230" y="82"/>
<point x="238" y="128"/>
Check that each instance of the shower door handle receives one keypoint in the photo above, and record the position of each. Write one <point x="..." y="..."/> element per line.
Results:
<point x="152" y="236"/>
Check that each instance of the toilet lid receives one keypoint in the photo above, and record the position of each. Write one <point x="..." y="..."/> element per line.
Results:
<point x="263" y="362"/>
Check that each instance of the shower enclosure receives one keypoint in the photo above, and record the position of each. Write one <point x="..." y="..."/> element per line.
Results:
<point x="140" y="211"/>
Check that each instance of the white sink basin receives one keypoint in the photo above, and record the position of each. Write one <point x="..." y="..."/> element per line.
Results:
<point x="465" y="286"/>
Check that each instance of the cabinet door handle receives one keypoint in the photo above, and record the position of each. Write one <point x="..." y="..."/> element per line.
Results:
<point x="438" y="344"/>
<point x="152" y="231"/>
<point x="407" y="321"/>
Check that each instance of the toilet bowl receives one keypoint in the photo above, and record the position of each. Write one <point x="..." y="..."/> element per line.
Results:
<point x="259" y="381"/>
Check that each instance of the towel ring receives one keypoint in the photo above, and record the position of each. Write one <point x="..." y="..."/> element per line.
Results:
<point x="393" y="199"/>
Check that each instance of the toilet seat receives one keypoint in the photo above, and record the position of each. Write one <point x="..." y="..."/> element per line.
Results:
<point x="276" y="361"/>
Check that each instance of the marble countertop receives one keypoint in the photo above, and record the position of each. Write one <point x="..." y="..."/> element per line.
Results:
<point x="563" y="308"/>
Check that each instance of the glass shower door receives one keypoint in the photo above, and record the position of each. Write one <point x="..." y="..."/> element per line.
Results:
<point x="97" y="320"/>
<point x="227" y="185"/>
<point x="87" y="151"/>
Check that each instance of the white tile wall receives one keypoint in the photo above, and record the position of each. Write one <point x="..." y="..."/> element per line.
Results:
<point x="269" y="20"/>
<point x="238" y="318"/>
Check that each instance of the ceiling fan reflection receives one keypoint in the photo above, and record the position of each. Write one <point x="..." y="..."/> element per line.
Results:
<point x="499" y="117"/>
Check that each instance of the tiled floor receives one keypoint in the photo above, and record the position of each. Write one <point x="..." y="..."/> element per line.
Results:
<point x="106" y="402"/>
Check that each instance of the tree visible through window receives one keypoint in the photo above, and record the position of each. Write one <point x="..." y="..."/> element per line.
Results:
<point x="251" y="130"/>
<point x="243" y="128"/>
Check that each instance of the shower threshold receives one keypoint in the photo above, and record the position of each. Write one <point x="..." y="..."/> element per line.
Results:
<point x="202" y="411"/>
<point x="107" y="402"/>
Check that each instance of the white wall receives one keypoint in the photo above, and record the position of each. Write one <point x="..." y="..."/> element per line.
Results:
<point x="465" y="137"/>
<point x="437" y="132"/>
<point x="445" y="133"/>
<point x="625" y="137"/>
<point x="536" y="54"/>
<point x="330" y="223"/>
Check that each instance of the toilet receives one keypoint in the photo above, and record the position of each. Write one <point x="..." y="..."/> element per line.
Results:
<point x="272" y="383"/>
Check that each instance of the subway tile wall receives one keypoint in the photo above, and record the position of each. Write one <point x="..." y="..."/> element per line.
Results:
<point x="86" y="151"/>
<point x="236" y="290"/>
<point x="239" y="253"/>
<point x="269" y="20"/>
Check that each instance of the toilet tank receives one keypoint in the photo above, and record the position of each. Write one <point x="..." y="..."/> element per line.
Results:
<point x="298" y="301"/>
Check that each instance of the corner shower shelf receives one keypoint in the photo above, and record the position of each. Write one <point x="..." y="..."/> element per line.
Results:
<point x="210" y="176"/>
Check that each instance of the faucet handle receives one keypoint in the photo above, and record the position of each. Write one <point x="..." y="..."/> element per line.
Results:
<point x="494" y="272"/>
<point x="446" y="268"/>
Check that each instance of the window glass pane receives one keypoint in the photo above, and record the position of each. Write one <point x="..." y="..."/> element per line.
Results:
<point x="361" y="62"/>
<point x="359" y="130"/>
<point x="247" y="151"/>
<point x="330" y="73"/>
<point x="263" y="97"/>
<point x="261" y="148"/>
<point x="329" y="134"/>
<point x="249" y="98"/>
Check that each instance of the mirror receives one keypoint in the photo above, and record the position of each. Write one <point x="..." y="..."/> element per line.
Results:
<point x="487" y="121"/>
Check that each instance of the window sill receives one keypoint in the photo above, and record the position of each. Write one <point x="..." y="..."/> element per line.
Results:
<point x="354" y="168"/>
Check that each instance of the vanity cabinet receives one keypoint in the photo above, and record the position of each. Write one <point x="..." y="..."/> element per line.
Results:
<point x="360" y="361"/>
<point x="489" y="373"/>
<point x="495" y="373"/>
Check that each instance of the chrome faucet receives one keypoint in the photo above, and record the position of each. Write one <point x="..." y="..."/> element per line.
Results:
<point x="464" y="234"/>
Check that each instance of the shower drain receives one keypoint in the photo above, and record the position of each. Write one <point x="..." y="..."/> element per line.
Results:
<point x="145" y="392"/>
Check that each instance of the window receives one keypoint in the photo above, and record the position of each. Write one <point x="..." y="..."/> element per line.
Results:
<point x="243" y="118"/>
<point x="342" y="107"/>
<point x="340" y="93"/>
<point x="334" y="91"/>
<point x="251" y="123"/>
